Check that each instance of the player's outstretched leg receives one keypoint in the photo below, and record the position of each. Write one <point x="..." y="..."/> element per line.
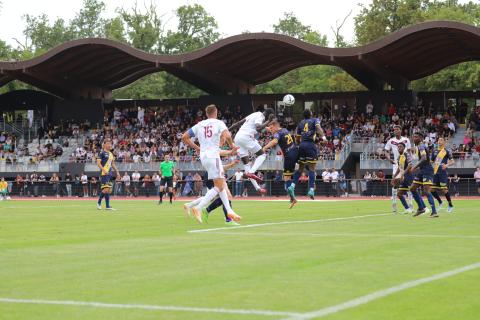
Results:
<point x="311" y="184"/>
<point x="100" y="198"/>
<point x="204" y="201"/>
<point x="431" y="201"/>
<point x="291" y="188"/>
<point x="418" y="200"/>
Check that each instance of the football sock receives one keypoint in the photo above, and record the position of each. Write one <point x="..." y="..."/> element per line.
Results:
<point x="212" y="193"/>
<point x="449" y="199"/>
<point x="227" y="219"/>
<point x="255" y="184"/>
<point x="161" y="196"/>
<point x="296" y="176"/>
<point x="404" y="202"/>
<point x="100" y="197"/>
<point x="410" y="199"/>
<point x="226" y="203"/>
<point x="431" y="201"/>
<point x="257" y="163"/>
<point x="394" y="195"/>
<point x="418" y="200"/>
<point x="107" y="200"/>
<point x="311" y="179"/>
<point x="287" y="184"/>
<point x="170" y="194"/>
<point x="437" y="196"/>
<point x="214" y="205"/>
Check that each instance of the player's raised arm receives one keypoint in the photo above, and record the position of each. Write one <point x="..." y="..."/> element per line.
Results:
<point x="269" y="114"/>
<point x="319" y="130"/>
<point x="187" y="139"/>
<point x="271" y="144"/>
<point x="237" y="125"/>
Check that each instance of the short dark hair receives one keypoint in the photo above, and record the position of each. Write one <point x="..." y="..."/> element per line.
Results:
<point x="307" y="113"/>
<point x="419" y="134"/>
<point x="401" y="143"/>
<point x="268" y="112"/>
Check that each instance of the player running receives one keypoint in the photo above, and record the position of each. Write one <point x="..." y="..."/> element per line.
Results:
<point x="392" y="147"/>
<point x="106" y="162"/>
<point x="402" y="177"/>
<point x="246" y="142"/>
<point x="166" y="172"/>
<point x="423" y="178"/>
<point x="285" y="141"/>
<point x="307" y="131"/>
<point x="210" y="133"/>
<point x="441" y="159"/>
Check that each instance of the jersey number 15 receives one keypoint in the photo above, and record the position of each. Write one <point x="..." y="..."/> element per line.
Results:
<point x="208" y="131"/>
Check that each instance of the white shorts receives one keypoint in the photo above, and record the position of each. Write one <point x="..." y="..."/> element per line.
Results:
<point x="394" y="169"/>
<point x="213" y="166"/>
<point x="246" y="144"/>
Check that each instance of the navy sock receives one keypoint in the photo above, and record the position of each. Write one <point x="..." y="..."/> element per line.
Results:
<point x="311" y="179"/>
<point x="296" y="176"/>
<point x="214" y="205"/>
<point x="437" y="196"/>
<point x="449" y="199"/>
<point x="431" y="201"/>
<point x="418" y="200"/>
<point x="287" y="184"/>
<point x="227" y="219"/>
<point x="100" y="197"/>
<point x="170" y="194"/>
<point x="161" y="196"/>
<point x="404" y="202"/>
<point x="107" y="200"/>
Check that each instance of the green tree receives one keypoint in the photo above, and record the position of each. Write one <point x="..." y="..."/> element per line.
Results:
<point x="88" y="22"/>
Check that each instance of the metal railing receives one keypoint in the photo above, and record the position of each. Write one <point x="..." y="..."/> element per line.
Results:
<point x="275" y="188"/>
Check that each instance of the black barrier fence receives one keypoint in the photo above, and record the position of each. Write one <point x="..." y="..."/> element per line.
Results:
<point x="275" y="188"/>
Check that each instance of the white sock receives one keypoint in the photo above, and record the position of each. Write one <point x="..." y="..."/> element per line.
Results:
<point x="205" y="200"/>
<point x="193" y="203"/>
<point x="257" y="163"/>
<point x="255" y="184"/>
<point x="394" y="196"/>
<point x="224" y="196"/>
<point x="246" y="167"/>
<point x="410" y="199"/>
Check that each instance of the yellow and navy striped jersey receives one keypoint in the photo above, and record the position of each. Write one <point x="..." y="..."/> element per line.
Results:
<point x="106" y="160"/>
<point x="439" y="157"/>
<point x="307" y="128"/>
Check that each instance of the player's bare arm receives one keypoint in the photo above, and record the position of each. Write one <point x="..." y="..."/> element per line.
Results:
<point x="99" y="164"/>
<point x="237" y="125"/>
<point x="270" y="145"/>
<point x="188" y="141"/>
<point x="320" y="132"/>
<point x="114" y="166"/>
<point x="422" y="160"/>
<point x="450" y="163"/>
<point x="388" y="156"/>
<point x="265" y="124"/>
<point x="230" y="165"/>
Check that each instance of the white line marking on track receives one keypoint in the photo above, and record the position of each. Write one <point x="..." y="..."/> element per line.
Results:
<point x="257" y="225"/>
<point x="382" y="293"/>
<point x="366" y="235"/>
<point x="149" y="307"/>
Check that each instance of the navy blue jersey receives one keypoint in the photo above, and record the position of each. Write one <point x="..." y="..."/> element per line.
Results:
<point x="285" y="140"/>
<point x="404" y="160"/>
<point x="106" y="160"/>
<point x="307" y="128"/>
<point x="426" y="166"/>
<point x="439" y="157"/>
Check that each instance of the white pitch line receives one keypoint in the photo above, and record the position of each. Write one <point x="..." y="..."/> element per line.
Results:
<point x="363" y="235"/>
<point x="382" y="293"/>
<point x="149" y="307"/>
<point x="289" y="222"/>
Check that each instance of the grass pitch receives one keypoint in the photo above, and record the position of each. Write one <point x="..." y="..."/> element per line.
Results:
<point x="285" y="267"/>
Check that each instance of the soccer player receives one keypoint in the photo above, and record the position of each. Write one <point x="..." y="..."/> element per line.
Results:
<point x="423" y="178"/>
<point x="392" y="147"/>
<point x="4" y="190"/>
<point x="246" y="142"/>
<point x="441" y="159"/>
<point x="106" y="162"/>
<point x="211" y="134"/>
<point x="166" y="172"/>
<point x="284" y="139"/>
<point x="307" y="131"/>
<point x="402" y="177"/>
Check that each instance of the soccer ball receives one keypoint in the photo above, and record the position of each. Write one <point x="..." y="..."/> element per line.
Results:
<point x="288" y="100"/>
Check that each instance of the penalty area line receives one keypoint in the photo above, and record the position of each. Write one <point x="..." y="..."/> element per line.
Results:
<point x="382" y="293"/>
<point x="258" y="225"/>
<point x="149" y="307"/>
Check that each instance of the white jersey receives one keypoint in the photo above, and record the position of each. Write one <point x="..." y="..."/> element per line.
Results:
<point x="392" y="146"/>
<point x="249" y="128"/>
<point x="208" y="133"/>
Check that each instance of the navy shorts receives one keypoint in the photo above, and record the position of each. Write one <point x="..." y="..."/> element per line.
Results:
<point x="423" y="178"/>
<point x="440" y="181"/>
<point x="307" y="152"/>
<point x="105" y="182"/>
<point x="406" y="183"/>
<point x="289" y="161"/>
<point x="209" y="184"/>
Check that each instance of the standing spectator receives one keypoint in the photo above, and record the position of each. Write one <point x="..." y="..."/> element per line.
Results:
<point x="327" y="179"/>
<point x="369" y="108"/>
<point x="278" y="180"/>
<point x="94" y="186"/>
<point x="381" y="182"/>
<point x="118" y="185"/>
<point x="77" y="186"/>
<point x="126" y="184"/>
<point x="156" y="182"/>
<point x="342" y="183"/>
<point x="55" y="181"/>
<point x="135" y="182"/>
<point x="238" y="176"/>
<point x="367" y="177"/>
<point x="42" y="184"/>
<point x="334" y="178"/>
<point x="476" y="176"/>
<point x="84" y="180"/>
<point x="68" y="184"/>
<point x="198" y="185"/>
<point x="34" y="182"/>
<point x="188" y="189"/>
<point x="454" y="180"/>
<point x="20" y="184"/>
<point x="147" y="185"/>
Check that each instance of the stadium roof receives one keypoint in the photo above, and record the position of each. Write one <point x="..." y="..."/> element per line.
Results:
<point x="94" y="67"/>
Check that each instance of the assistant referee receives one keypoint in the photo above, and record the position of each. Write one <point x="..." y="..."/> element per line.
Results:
<point x="166" y="172"/>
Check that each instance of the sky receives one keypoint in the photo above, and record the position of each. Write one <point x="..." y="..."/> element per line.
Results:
<point x="233" y="17"/>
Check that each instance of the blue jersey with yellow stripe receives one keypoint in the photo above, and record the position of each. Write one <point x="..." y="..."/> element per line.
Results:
<point x="106" y="160"/>
<point x="439" y="157"/>
<point x="307" y="128"/>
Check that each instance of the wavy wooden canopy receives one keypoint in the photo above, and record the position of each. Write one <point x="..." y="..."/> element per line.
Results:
<point x="92" y="68"/>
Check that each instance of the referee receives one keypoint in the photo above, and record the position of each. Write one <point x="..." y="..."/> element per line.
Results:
<point x="166" y="172"/>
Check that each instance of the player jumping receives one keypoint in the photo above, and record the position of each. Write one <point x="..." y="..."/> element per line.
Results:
<point x="106" y="163"/>
<point x="246" y="142"/>
<point x="402" y="177"/>
<point x="284" y="139"/>
<point x="442" y="159"/>
<point x="210" y="133"/>
<point x="307" y="131"/>
<point x="392" y="147"/>
<point x="423" y="178"/>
